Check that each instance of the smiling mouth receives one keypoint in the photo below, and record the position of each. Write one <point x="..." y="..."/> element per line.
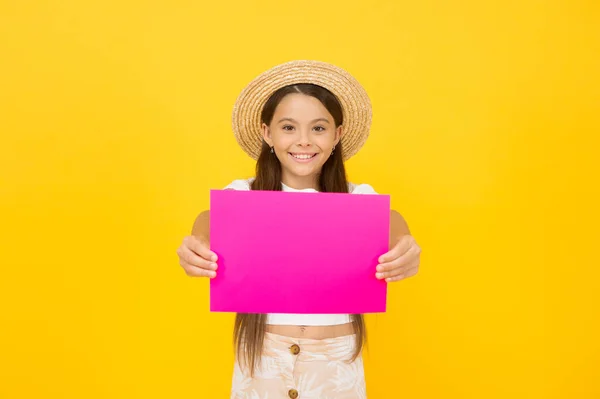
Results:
<point x="302" y="157"/>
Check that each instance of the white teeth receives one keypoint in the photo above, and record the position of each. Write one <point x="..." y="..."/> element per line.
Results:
<point x="302" y="156"/>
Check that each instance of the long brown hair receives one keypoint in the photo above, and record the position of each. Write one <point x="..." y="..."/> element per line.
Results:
<point x="249" y="330"/>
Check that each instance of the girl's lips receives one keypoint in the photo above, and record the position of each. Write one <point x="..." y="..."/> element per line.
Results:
<point x="302" y="158"/>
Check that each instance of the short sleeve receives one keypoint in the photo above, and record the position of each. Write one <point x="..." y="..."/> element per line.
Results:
<point x="362" y="189"/>
<point x="241" y="185"/>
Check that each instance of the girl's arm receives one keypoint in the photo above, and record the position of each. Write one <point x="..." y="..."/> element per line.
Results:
<point x="195" y="256"/>
<point x="201" y="228"/>
<point x="403" y="258"/>
<point x="398" y="228"/>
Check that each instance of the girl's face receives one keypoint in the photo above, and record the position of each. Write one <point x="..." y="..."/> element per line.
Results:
<point x="303" y="134"/>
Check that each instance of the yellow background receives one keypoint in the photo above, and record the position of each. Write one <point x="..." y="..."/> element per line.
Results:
<point x="115" y="123"/>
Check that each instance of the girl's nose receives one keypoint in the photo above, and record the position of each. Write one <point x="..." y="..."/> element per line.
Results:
<point x="304" y="139"/>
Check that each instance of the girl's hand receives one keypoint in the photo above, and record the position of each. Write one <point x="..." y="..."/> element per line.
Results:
<point x="196" y="258"/>
<point x="401" y="261"/>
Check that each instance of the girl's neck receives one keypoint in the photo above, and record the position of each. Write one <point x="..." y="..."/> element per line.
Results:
<point x="300" y="182"/>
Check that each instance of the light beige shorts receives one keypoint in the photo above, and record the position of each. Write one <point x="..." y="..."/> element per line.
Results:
<point x="304" y="369"/>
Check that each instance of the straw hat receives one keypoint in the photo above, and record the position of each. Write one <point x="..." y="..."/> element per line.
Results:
<point x="355" y="102"/>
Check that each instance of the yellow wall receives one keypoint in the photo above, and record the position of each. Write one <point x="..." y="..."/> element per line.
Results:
<point x="115" y="123"/>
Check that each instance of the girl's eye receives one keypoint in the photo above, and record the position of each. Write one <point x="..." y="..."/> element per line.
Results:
<point x="288" y="127"/>
<point x="319" y="128"/>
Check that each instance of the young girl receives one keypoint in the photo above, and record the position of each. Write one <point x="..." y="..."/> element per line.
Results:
<point x="301" y="120"/>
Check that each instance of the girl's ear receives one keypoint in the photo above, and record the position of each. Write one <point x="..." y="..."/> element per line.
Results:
<point x="266" y="131"/>
<point x="339" y="131"/>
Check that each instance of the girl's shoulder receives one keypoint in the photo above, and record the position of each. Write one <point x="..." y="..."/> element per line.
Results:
<point x="241" y="184"/>
<point x="360" y="189"/>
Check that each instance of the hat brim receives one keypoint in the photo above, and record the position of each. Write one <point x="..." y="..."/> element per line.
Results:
<point x="356" y="105"/>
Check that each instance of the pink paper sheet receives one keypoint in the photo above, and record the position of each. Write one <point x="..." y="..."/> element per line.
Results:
<point x="295" y="252"/>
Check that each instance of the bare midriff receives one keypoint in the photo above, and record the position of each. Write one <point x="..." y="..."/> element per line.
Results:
<point x="312" y="332"/>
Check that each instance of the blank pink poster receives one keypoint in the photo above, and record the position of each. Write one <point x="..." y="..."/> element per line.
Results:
<point x="298" y="252"/>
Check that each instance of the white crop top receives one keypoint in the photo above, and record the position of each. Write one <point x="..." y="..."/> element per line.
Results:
<point x="305" y="319"/>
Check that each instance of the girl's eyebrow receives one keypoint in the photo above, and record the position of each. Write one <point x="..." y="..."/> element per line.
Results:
<point x="315" y="120"/>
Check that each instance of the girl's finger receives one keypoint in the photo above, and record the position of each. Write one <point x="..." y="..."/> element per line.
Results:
<point x="394" y="264"/>
<point x="408" y="272"/>
<point x="186" y="256"/>
<point x="400" y="268"/>
<point x="199" y="247"/>
<point x="392" y="273"/>
<point x="392" y="254"/>
<point x="401" y="260"/>
<point x="405" y="243"/>
<point x="193" y="271"/>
